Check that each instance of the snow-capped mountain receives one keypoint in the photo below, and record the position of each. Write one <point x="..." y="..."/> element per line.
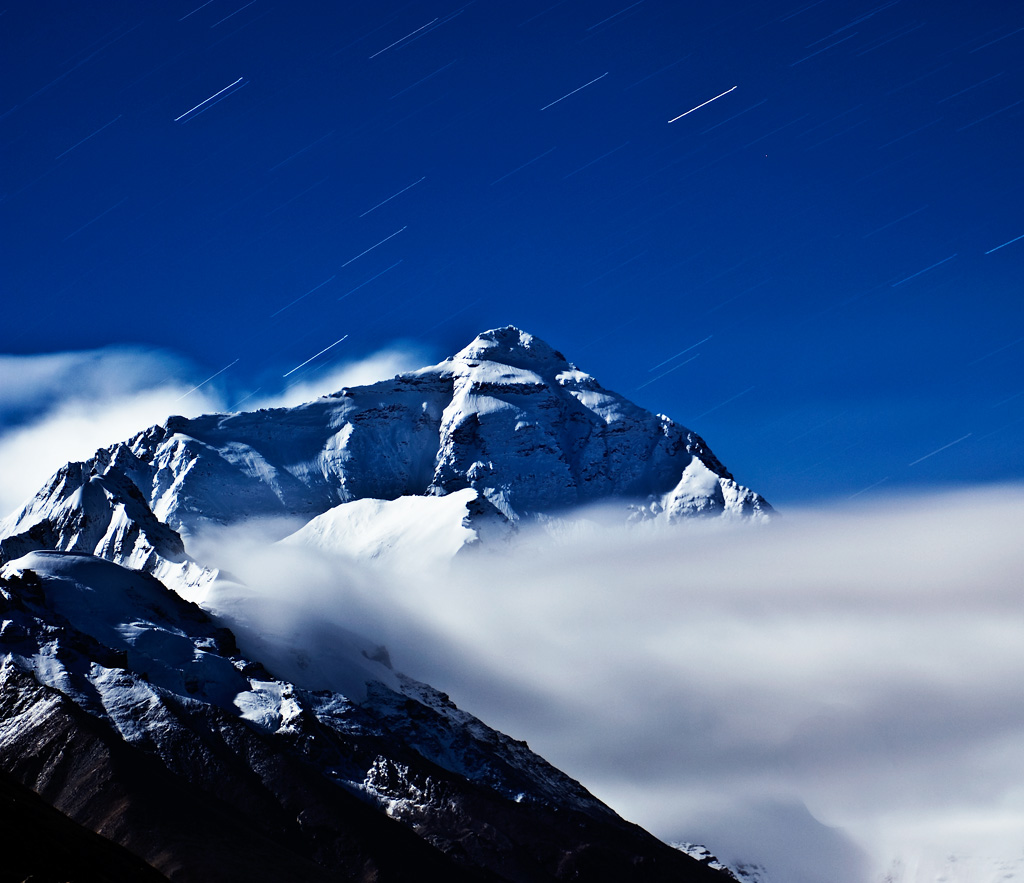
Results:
<point x="143" y="717"/>
<point x="504" y="432"/>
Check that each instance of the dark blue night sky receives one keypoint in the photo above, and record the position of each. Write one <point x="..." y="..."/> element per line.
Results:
<point x="818" y="269"/>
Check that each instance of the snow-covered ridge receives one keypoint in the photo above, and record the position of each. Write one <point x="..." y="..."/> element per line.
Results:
<point x="507" y="420"/>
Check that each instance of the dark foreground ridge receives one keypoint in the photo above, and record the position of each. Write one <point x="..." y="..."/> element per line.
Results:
<point x="43" y="845"/>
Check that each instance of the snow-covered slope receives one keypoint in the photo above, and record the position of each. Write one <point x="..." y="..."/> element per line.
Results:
<point x="420" y="532"/>
<point x="743" y="873"/>
<point x="508" y="418"/>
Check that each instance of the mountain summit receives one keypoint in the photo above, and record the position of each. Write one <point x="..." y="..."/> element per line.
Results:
<point x="508" y="424"/>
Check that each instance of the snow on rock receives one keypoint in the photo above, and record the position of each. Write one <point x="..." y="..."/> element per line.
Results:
<point x="126" y="649"/>
<point x="702" y="492"/>
<point x="743" y="873"/>
<point x="506" y="429"/>
<point x="141" y="626"/>
<point x="313" y="654"/>
<point x="416" y="469"/>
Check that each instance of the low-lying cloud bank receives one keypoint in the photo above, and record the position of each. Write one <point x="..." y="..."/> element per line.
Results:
<point x="823" y="695"/>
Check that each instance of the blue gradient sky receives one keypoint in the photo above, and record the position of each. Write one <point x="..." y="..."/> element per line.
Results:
<point x="816" y="270"/>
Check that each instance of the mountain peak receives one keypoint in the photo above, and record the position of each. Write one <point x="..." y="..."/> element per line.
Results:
<point x="516" y="348"/>
<point x="508" y="418"/>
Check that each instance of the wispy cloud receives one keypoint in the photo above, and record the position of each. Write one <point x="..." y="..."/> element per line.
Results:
<point x="59" y="407"/>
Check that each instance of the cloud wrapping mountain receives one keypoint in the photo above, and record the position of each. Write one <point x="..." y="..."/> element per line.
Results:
<point x="834" y="689"/>
<point x="505" y="434"/>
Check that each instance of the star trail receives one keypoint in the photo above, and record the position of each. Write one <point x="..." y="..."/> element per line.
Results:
<point x="834" y="211"/>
